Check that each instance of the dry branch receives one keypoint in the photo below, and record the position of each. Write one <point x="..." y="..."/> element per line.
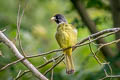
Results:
<point x="9" y="43"/>
<point x="54" y="65"/>
<point x="19" y="20"/>
<point x="49" y="61"/>
<point x="110" y="76"/>
<point x="14" y="62"/>
<point x="95" y="37"/>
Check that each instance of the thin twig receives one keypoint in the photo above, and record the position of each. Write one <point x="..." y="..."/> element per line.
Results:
<point x="98" y="34"/>
<point x="110" y="76"/>
<point x="3" y="30"/>
<point x="97" y="59"/>
<point x="51" y="60"/>
<point x="18" y="73"/>
<point x="102" y="36"/>
<point x="54" y="66"/>
<point x="19" y="19"/>
<point x="52" y="73"/>
<point x="116" y="41"/>
<point x="45" y="59"/>
<point x="4" y="67"/>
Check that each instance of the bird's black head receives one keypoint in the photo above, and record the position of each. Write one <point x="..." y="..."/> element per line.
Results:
<point x="58" y="18"/>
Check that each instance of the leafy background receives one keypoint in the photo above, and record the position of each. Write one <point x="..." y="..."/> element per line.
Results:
<point x="37" y="36"/>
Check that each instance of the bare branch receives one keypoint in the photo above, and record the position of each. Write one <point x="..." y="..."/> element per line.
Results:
<point x="10" y="64"/>
<point x="9" y="43"/>
<point x="52" y="73"/>
<point x="97" y="59"/>
<point x="19" y="19"/>
<point x="54" y="66"/>
<point x="116" y="41"/>
<point x="51" y="60"/>
<point x="18" y="73"/>
<point x="110" y="76"/>
<point x="99" y="34"/>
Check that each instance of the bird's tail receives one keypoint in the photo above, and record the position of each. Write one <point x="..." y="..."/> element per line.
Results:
<point x="69" y="61"/>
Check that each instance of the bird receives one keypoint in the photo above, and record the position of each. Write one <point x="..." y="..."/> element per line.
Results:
<point x="66" y="36"/>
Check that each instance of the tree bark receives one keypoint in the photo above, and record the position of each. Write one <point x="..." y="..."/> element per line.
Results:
<point x="115" y="7"/>
<point x="107" y="52"/>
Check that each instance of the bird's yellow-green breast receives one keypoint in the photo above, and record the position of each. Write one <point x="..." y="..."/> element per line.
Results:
<point x="66" y="35"/>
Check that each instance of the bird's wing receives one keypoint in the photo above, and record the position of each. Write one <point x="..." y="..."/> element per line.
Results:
<point x="73" y="34"/>
<point x="62" y="39"/>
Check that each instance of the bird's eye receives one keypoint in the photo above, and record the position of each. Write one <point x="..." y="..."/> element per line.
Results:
<point x="58" y="17"/>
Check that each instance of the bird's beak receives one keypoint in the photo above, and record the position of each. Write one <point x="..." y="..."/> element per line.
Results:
<point x="53" y="19"/>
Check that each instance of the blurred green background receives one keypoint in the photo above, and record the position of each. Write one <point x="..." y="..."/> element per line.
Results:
<point x="37" y="36"/>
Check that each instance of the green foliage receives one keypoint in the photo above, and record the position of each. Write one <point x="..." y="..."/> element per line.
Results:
<point x="37" y="36"/>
